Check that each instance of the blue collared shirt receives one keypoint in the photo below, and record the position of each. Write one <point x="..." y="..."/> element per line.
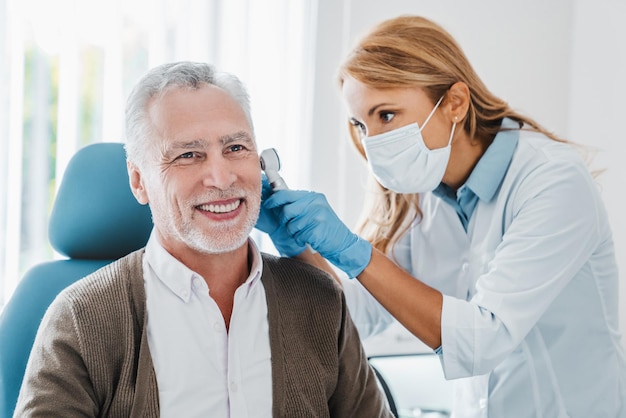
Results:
<point x="529" y="301"/>
<point x="485" y="179"/>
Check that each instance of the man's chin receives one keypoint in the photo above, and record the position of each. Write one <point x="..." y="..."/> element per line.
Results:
<point x="220" y="246"/>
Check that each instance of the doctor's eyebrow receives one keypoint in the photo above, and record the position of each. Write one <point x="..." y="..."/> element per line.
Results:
<point x="373" y="108"/>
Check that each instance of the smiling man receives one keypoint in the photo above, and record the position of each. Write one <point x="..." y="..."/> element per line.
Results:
<point x="199" y="323"/>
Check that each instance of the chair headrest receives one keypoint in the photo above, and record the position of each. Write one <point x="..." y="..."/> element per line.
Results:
<point x="95" y="215"/>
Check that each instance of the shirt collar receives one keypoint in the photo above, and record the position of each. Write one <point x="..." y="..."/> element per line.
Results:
<point x="490" y="170"/>
<point x="256" y="265"/>
<point x="179" y="278"/>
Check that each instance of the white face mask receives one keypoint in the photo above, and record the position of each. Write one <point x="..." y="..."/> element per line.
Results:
<point x="401" y="161"/>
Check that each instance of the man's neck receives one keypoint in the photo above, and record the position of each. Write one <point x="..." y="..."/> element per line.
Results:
<point x="223" y="274"/>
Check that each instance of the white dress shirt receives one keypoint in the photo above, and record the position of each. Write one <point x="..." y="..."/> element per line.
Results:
<point x="530" y="315"/>
<point x="202" y="370"/>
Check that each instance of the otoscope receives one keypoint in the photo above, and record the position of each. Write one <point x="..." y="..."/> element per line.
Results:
<point x="270" y="163"/>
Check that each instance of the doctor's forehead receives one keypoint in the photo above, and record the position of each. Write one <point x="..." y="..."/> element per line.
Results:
<point x="362" y="100"/>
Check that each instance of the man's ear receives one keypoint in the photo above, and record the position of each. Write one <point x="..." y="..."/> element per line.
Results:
<point x="458" y="101"/>
<point x="136" y="183"/>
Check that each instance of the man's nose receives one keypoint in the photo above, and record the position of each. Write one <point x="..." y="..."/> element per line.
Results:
<point x="217" y="172"/>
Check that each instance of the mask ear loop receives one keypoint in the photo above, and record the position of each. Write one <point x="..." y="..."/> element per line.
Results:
<point x="452" y="132"/>
<point x="432" y="112"/>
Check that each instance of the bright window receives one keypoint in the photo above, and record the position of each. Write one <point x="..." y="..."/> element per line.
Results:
<point x="68" y="66"/>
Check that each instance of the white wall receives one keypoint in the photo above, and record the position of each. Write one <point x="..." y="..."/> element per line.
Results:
<point x="597" y="108"/>
<point x="561" y="62"/>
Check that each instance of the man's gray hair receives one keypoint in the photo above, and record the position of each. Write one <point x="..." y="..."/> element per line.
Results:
<point x="159" y="80"/>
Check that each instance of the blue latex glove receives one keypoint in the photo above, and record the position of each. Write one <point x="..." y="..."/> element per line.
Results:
<point x="310" y="220"/>
<point x="269" y="222"/>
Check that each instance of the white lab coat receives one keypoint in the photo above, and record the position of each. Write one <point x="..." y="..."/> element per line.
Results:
<point x="530" y="310"/>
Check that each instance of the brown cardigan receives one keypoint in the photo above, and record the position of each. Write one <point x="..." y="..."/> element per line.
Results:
<point x="91" y="355"/>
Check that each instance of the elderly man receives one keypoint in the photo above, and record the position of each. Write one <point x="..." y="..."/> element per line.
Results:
<point x="199" y="323"/>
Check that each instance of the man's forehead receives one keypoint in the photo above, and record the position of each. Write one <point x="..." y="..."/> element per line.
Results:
<point x="180" y="96"/>
<point x="184" y="108"/>
<point x="241" y="136"/>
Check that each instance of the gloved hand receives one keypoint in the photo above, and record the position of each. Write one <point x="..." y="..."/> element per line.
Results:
<point x="269" y="222"/>
<point x="310" y="220"/>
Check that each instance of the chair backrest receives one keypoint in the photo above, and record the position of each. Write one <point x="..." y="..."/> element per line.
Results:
<point x="95" y="220"/>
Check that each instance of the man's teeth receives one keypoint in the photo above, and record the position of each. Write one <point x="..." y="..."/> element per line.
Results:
<point x="221" y="208"/>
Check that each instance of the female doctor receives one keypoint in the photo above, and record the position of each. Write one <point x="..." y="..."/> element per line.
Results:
<point x="487" y="238"/>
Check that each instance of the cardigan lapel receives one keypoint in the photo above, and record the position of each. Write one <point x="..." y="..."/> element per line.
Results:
<point x="146" y="399"/>
<point x="276" y="342"/>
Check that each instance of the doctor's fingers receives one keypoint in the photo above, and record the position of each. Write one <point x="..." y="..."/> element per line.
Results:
<point x="315" y="224"/>
<point x="296" y="203"/>
<point x="266" y="190"/>
<point x="307" y="230"/>
<point x="285" y="196"/>
<point x="268" y="220"/>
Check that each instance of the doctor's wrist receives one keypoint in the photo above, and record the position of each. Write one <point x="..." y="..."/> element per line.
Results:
<point x="353" y="259"/>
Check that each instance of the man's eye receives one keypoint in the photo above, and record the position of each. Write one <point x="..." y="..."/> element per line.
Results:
<point x="387" y="117"/>
<point x="187" y="155"/>
<point x="235" y="148"/>
<point x="236" y="151"/>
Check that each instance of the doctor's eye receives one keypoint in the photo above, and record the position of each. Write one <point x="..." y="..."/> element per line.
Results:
<point x="359" y="126"/>
<point x="387" y="117"/>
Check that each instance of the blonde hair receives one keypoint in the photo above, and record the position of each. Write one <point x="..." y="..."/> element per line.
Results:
<point x="411" y="51"/>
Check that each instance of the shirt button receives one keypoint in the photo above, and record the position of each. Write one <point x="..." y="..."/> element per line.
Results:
<point x="217" y="326"/>
<point x="233" y="386"/>
<point x="184" y="293"/>
<point x="464" y="267"/>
